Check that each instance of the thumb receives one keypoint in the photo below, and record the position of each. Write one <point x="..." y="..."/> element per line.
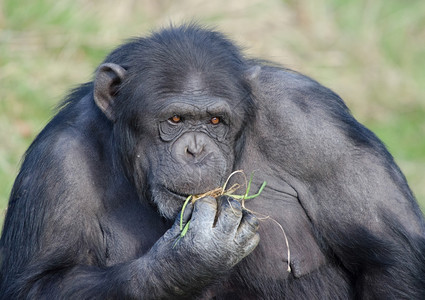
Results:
<point x="183" y="217"/>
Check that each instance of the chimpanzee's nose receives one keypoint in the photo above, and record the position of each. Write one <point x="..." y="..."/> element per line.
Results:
<point x="192" y="147"/>
<point x="195" y="146"/>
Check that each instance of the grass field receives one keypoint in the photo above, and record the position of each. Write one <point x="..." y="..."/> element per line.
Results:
<point x="372" y="53"/>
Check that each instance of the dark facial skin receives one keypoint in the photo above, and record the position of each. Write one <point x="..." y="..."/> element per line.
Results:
<point x="195" y="144"/>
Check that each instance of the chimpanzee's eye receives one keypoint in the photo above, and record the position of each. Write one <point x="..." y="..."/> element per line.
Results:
<point x="175" y="119"/>
<point x="215" y="120"/>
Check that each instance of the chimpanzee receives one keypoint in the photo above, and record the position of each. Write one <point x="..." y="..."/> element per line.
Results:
<point x="96" y="210"/>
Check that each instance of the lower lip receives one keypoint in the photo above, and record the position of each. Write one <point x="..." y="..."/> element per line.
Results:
<point x="176" y="195"/>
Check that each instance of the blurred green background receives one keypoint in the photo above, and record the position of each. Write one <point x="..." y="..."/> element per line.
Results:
<point x="372" y="53"/>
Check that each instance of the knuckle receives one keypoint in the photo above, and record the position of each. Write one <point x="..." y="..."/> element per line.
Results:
<point x="232" y="205"/>
<point x="251" y="220"/>
<point x="206" y="203"/>
<point x="208" y="200"/>
<point x="250" y="243"/>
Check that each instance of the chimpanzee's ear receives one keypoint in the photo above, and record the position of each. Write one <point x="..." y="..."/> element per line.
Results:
<point x="108" y="79"/>
<point x="252" y="72"/>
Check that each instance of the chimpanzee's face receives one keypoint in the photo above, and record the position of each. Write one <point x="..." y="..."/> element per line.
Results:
<point x="193" y="148"/>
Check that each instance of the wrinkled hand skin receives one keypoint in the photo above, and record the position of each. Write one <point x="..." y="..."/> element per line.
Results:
<point x="220" y="235"/>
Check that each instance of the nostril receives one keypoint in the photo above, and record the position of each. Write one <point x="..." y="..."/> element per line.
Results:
<point x="192" y="147"/>
<point x="193" y="150"/>
<point x="188" y="152"/>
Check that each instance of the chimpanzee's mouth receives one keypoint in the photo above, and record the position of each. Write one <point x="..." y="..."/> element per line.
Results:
<point x="178" y="195"/>
<point x="183" y="191"/>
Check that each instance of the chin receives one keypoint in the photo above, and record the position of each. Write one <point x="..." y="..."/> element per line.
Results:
<point x="168" y="203"/>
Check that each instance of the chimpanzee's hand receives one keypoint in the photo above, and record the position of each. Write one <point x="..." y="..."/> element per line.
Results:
<point x="219" y="236"/>
<point x="220" y="233"/>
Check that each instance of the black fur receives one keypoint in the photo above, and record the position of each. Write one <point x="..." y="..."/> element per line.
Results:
<point x="91" y="212"/>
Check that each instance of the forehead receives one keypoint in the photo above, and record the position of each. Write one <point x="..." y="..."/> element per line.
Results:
<point x="192" y="104"/>
<point x="195" y="83"/>
<point x="196" y="86"/>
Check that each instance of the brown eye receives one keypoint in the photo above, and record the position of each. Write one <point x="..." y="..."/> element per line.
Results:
<point x="175" y="119"/>
<point x="215" y="120"/>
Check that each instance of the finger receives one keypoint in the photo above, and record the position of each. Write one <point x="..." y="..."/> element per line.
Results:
<point x="247" y="229"/>
<point x="249" y="222"/>
<point x="182" y="218"/>
<point x="230" y="215"/>
<point x="204" y="211"/>
<point x="251" y="244"/>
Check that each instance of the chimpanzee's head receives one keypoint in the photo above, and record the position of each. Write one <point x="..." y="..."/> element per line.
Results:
<point x="179" y="102"/>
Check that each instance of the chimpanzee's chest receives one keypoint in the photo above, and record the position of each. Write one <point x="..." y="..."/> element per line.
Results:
<point x="131" y="232"/>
